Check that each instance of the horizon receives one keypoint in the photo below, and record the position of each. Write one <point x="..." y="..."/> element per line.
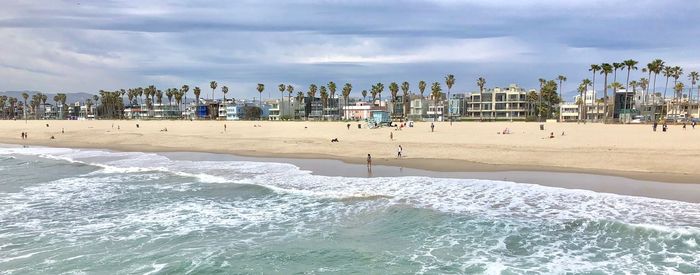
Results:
<point x="87" y="47"/>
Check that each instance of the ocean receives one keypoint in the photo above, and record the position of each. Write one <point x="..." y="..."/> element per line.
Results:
<point x="84" y="211"/>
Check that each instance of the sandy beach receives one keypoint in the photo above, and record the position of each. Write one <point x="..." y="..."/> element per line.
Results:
<point x="631" y="151"/>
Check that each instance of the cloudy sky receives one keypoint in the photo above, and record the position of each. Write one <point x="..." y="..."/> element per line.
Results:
<point x="88" y="45"/>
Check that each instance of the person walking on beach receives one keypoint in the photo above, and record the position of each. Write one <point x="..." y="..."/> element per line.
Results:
<point x="432" y="127"/>
<point x="664" y="127"/>
<point x="399" y="151"/>
<point x="22" y="135"/>
<point x="224" y="127"/>
<point x="655" y="125"/>
<point x="391" y="135"/>
<point x="369" y="162"/>
<point x="692" y="124"/>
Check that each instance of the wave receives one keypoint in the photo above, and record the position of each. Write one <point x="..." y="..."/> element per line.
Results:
<point x="464" y="196"/>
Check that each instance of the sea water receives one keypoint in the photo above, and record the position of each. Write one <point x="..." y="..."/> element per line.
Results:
<point x="70" y="211"/>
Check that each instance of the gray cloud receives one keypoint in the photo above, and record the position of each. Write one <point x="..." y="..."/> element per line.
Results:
<point x="66" y="46"/>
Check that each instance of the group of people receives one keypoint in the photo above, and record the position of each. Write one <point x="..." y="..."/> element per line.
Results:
<point x="24" y="135"/>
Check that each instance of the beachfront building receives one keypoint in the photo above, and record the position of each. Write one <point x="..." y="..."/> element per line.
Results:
<point x="166" y="111"/>
<point x="456" y="106"/>
<point x="508" y="103"/>
<point x="360" y="110"/>
<point x="435" y="111"/>
<point x="418" y="108"/>
<point x="569" y="112"/>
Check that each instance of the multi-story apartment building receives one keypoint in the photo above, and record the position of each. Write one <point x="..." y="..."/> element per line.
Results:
<point x="497" y="104"/>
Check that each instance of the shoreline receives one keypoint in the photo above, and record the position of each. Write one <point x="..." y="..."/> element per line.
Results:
<point x="629" y="151"/>
<point x="579" y="180"/>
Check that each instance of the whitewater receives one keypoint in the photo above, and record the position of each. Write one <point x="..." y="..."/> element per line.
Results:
<point x="71" y="211"/>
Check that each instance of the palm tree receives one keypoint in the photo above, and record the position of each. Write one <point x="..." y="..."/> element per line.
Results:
<point x="394" y="89"/>
<point x="282" y="88"/>
<point x="540" y="97"/>
<point x="380" y="89"/>
<point x="346" y="95"/>
<point x="184" y="90"/>
<point x="594" y="68"/>
<point x="290" y="90"/>
<point x="436" y="95"/>
<point x="481" y="82"/>
<point x="25" y="96"/>
<point x="300" y="97"/>
<point x="657" y="65"/>
<point x="667" y="72"/>
<point x="261" y="88"/>
<point x="630" y="64"/>
<point x="197" y="91"/>
<point x="212" y="85"/>
<point x="678" y="88"/>
<point x="586" y="83"/>
<point x="606" y="69"/>
<point x="449" y="81"/>
<point x="224" y="90"/>
<point x="634" y="84"/>
<point x="324" y="97"/>
<point x="364" y="95"/>
<point x="693" y="77"/>
<point x="406" y="100"/>
<point x="332" y="89"/>
<point x="581" y="89"/>
<point x="561" y="79"/>
<point x="169" y="94"/>
<point x="421" y="88"/>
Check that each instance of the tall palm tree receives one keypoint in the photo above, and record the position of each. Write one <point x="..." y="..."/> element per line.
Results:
<point x="184" y="90"/>
<point x="693" y="77"/>
<point x="406" y="100"/>
<point x="594" y="68"/>
<point x="282" y="88"/>
<point x="657" y="65"/>
<point x="667" y="72"/>
<point x="581" y="89"/>
<point x="677" y="72"/>
<point x="197" y="91"/>
<point x="169" y="94"/>
<point x="435" y="88"/>
<point x="394" y="89"/>
<point x="224" y="90"/>
<point x="290" y="90"/>
<point x="332" y="88"/>
<point x="380" y="89"/>
<point x="212" y="85"/>
<point x="585" y="83"/>
<point x="561" y="79"/>
<point x="260" y="88"/>
<point x="606" y="69"/>
<point x="481" y="82"/>
<point x="540" y="97"/>
<point x="25" y="96"/>
<point x="421" y="88"/>
<point x="630" y="64"/>
<point x="300" y="98"/>
<point x="449" y="81"/>
<point x="364" y="95"/>
<point x="324" y="97"/>
<point x="346" y="95"/>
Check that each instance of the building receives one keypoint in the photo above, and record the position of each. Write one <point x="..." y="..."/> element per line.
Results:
<point x="418" y="109"/>
<point x="360" y="110"/>
<point x="569" y="112"/>
<point x="508" y="103"/>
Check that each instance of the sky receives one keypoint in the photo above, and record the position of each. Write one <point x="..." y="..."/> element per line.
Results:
<point x="91" y="45"/>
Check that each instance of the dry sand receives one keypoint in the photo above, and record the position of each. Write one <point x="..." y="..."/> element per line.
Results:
<point x="632" y="151"/>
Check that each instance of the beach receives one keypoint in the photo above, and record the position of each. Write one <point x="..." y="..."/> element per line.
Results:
<point x="632" y="151"/>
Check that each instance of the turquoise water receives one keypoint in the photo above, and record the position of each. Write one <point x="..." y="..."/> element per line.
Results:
<point x="68" y="211"/>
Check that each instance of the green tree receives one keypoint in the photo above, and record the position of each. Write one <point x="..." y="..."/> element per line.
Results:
<point x="406" y="99"/>
<point x="332" y="88"/>
<point x="364" y="95"/>
<point x="394" y="89"/>
<point x="346" y="95"/>
<point x="212" y="85"/>
<point x="421" y="88"/>
<point x="481" y="82"/>
<point x="606" y="69"/>
<point x="436" y="89"/>
<point x="449" y="81"/>
<point x="290" y="90"/>
<point x="260" y="88"/>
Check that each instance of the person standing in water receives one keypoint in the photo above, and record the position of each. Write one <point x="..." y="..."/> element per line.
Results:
<point x="369" y="162"/>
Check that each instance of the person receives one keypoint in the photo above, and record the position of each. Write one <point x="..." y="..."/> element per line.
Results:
<point x="369" y="161"/>
<point x="683" y="125"/>
<point x="26" y="135"/>
<point x="391" y="135"/>
<point x="52" y="137"/>
<point x="22" y="135"/>
<point x="118" y="128"/>
<point x="348" y="126"/>
<point x="47" y="125"/>
<point x="692" y="124"/>
<point x="655" y="125"/>
<point x="62" y="131"/>
<point x="398" y="153"/>
<point x="335" y="140"/>
<point x="224" y="127"/>
<point x="432" y="127"/>
<point x="664" y="127"/>
<point x="137" y="125"/>
<point x="551" y="135"/>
